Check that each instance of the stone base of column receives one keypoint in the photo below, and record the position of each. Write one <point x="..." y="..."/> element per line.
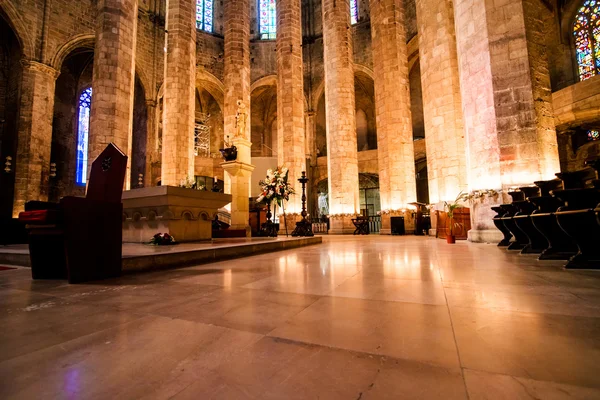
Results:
<point x="485" y="236"/>
<point x="239" y="174"/>
<point x="341" y="226"/>
<point x="386" y="222"/>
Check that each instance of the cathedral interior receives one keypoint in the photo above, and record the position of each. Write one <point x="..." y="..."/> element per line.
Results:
<point x="388" y="107"/>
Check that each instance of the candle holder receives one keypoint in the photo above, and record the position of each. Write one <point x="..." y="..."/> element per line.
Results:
<point x="304" y="227"/>
<point x="268" y="229"/>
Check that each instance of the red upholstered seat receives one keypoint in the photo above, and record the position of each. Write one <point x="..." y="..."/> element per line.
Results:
<point x="40" y="217"/>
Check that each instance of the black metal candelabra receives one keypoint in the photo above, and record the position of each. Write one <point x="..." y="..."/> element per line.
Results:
<point x="304" y="227"/>
<point x="268" y="229"/>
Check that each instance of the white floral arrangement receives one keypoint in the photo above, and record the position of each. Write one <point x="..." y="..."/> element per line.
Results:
<point x="275" y="187"/>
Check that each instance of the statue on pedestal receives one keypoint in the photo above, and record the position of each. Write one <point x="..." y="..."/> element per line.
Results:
<point x="240" y="119"/>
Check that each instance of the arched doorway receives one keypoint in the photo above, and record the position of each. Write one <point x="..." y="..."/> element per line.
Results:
<point x="70" y="125"/>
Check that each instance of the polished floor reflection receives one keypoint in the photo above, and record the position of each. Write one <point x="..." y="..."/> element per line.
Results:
<point x="354" y="318"/>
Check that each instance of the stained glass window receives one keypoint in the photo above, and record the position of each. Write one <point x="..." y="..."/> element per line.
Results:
<point x="593" y="135"/>
<point x="204" y="15"/>
<point x="83" y="130"/>
<point x="267" y="19"/>
<point x="586" y="29"/>
<point x="353" y="11"/>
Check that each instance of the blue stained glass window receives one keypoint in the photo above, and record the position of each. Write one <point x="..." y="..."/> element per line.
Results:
<point x="586" y="29"/>
<point x="204" y="15"/>
<point x="83" y="130"/>
<point x="267" y="12"/>
<point x="353" y="11"/>
<point x="593" y="135"/>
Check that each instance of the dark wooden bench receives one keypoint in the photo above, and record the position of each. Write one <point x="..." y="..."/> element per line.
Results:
<point x="80" y="239"/>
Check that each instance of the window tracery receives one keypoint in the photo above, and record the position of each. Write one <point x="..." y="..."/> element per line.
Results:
<point x="204" y="15"/>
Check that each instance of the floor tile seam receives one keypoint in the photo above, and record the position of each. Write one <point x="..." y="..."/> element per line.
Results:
<point x="140" y="316"/>
<point x="384" y="301"/>
<point x="364" y="353"/>
<point x="460" y="362"/>
<point x="292" y="316"/>
<point x="529" y="377"/>
<point x="525" y="313"/>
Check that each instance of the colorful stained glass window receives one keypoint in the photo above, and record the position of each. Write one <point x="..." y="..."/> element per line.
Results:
<point x="267" y="19"/>
<point x="204" y="15"/>
<point x="586" y="29"/>
<point x="83" y="130"/>
<point x="593" y="135"/>
<point x="353" y="11"/>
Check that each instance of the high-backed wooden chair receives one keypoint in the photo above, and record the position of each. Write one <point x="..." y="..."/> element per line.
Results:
<point x="80" y="238"/>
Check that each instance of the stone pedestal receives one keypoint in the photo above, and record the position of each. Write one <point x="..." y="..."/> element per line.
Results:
<point x="186" y="214"/>
<point x="239" y="173"/>
<point x="483" y="229"/>
<point x="341" y="225"/>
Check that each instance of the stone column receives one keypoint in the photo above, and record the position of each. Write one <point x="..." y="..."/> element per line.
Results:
<point x="342" y="158"/>
<point x="444" y="130"/>
<point x="111" y="115"/>
<point x="290" y="97"/>
<point x="32" y="163"/>
<point x="505" y="100"/>
<point x="395" y="149"/>
<point x="237" y="116"/>
<point x="179" y="102"/>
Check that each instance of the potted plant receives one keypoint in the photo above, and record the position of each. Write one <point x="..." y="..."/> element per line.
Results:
<point x="450" y="207"/>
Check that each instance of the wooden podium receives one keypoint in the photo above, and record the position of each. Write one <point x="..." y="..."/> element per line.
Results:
<point x="80" y="239"/>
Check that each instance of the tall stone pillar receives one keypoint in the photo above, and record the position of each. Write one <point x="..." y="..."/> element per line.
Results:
<point x="444" y="130"/>
<point x="290" y="97"/>
<point x="342" y="158"/>
<point x="111" y="115"/>
<point x="179" y="102"/>
<point x="237" y="115"/>
<point x="395" y="150"/>
<point x="511" y="139"/>
<point x="32" y="163"/>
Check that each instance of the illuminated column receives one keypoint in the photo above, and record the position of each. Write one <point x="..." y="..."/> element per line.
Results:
<point x="444" y="131"/>
<point x="511" y="139"/>
<point x="179" y="102"/>
<point x="342" y="158"/>
<point x="111" y="114"/>
<point x="395" y="148"/>
<point x="236" y="110"/>
<point x="290" y="97"/>
<point x="32" y="162"/>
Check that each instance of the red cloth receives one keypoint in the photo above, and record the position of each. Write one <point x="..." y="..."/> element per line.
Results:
<point x="39" y="217"/>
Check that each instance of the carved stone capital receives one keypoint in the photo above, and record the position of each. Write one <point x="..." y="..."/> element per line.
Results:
<point x="39" y="67"/>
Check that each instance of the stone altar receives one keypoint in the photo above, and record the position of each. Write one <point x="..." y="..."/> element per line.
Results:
<point x="184" y="213"/>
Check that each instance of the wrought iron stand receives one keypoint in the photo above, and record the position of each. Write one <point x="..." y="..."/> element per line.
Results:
<point x="304" y="227"/>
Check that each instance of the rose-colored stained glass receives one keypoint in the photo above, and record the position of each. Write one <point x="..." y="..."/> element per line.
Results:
<point x="586" y="29"/>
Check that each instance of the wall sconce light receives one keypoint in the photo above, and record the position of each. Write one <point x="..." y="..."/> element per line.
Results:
<point x="7" y="164"/>
<point x="53" y="170"/>
<point x="140" y="180"/>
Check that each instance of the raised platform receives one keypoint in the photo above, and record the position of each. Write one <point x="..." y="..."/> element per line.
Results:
<point x="142" y="257"/>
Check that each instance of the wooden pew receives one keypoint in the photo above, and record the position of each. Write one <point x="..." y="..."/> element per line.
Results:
<point x="80" y="239"/>
<point x="537" y="242"/>
<point x="561" y="246"/>
<point x="577" y="217"/>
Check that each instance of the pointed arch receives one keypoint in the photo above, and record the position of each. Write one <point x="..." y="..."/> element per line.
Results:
<point x="14" y="20"/>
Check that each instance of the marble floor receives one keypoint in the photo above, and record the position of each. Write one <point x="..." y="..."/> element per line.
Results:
<point x="354" y="318"/>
